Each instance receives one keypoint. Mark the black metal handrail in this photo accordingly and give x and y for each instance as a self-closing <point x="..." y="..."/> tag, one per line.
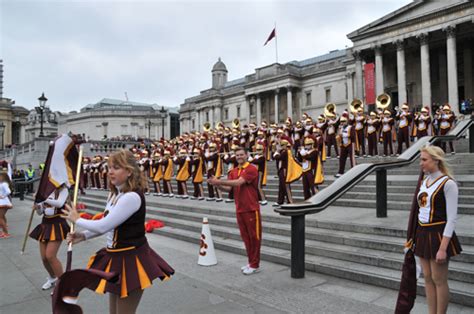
<point x="327" y="196"/>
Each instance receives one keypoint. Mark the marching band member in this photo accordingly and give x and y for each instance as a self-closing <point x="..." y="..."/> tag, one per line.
<point x="387" y="131"/>
<point x="183" y="173"/>
<point x="289" y="127"/>
<point x="197" y="173"/>
<point x="213" y="169"/>
<point x="51" y="232"/>
<point x="403" y="135"/>
<point x="244" y="137"/>
<point x="360" y="126"/>
<point x="333" y="125"/>
<point x="104" y="172"/>
<point x="373" y="124"/>
<point x="347" y="138"/>
<point x="308" y="127"/>
<point x="127" y="252"/>
<point x="97" y="173"/>
<point x="253" y="136"/>
<point x="92" y="169"/>
<point x="157" y="172"/>
<point x="308" y="157"/>
<point x="231" y="162"/>
<point x="298" y="135"/>
<point x="422" y="123"/>
<point x="446" y="123"/>
<point x="288" y="170"/>
<point x="260" y="162"/>
<point x="167" y="169"/>
<point x="321" y="148"/>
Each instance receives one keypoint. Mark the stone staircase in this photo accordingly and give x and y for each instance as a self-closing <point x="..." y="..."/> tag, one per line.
<point x="369" y="252"/>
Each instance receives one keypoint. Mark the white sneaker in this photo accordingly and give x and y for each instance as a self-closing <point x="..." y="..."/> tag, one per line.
<point x="228" y="200"/>
<point x="49" y="283"/>
<point x="249" y="271"/>
<point x="244" y="267"/>
<point x="263" y="202"/>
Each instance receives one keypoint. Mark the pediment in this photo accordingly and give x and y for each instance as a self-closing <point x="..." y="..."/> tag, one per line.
<point x="411" y="11"/>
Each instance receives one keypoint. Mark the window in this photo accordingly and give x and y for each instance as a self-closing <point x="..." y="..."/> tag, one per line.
<point x="207" y="116"/>
<point x="238" y="111"/>
<point x="226" y="114"/>
<point x="252" y="110"/>
<point x="193" y="124"/>
<point x="308" y="99"/>
<point x="328" y="95"/>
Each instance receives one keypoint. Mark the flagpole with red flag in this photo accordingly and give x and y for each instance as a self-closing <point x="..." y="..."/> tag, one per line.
<point x="270" y="37"/>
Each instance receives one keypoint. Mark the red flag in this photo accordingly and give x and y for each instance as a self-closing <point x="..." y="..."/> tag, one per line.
<point x="272" y="35"/>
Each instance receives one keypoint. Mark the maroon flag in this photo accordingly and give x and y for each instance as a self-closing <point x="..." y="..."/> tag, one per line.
<point x="60" y="167"/>
<point x="407" y="291"/>
<point x="271" y="36"/>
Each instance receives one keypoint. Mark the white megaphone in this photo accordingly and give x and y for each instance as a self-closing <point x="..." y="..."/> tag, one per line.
<point x="207" y="254"/>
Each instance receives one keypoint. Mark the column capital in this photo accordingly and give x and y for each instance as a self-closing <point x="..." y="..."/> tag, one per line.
<point x="349" y="74"/>
<point x="450" y="31"/>
<point x="357" y="55"/>
<point x="378" y="49"/>
<point x="289" y="88"/>
<point x="423" y="37"/>
<point x="277" y="90"/>
<point x="400" y="44"/>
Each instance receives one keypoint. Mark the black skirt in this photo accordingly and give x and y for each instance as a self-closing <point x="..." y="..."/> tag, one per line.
<point x="137" y="268"/>
<point x="428" y="241"/>
<point x="52" y="228"/>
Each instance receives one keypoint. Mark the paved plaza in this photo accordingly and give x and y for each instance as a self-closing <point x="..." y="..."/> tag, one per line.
<point x="193" y="289"/>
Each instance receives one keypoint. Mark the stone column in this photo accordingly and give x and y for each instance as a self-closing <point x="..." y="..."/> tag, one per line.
<point x="218" y="113"/>
<point x="198" y="125"/>
<point x="359" y="90"/>
<point x="211" y="116"/>
<point x="289" y="102"/>
<point x="401" y="73"/>
<point x="350" y="86"/>
<point x="247" y="101"/>
<point x="276" y="105"/>
<point x="453" y="98"/>
<point x="425" y="69"/>
<point x="468" y="79"/>
<point x="379" y="83"/>
<point x="259" y="109"/>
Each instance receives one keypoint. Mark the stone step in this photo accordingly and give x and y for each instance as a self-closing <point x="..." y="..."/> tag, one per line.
<point x="98" y="199"/>
<point x="466" y="209"/>
<point x="460" y="292"/>
<point x="183" y="218"/>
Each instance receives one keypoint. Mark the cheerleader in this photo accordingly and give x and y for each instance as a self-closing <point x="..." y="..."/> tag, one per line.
<point x="6" y="188"/>
<point x="435" y="239"/>
<point x="127" y="252"/>
<point x="51" y="232"/>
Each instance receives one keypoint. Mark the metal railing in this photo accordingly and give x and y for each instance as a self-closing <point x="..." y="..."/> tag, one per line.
<point x="327" y="196"/>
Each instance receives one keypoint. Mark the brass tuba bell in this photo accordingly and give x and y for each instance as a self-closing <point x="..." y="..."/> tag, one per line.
<point x="206" y="127"/>
<point x="236" y="123"/>
<point x="330" y="110"/>
<point x="355" y="105"/>
<point x="383" y="101"/>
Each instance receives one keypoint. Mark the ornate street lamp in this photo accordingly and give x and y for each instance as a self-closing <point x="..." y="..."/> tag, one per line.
<point x="2" y="129"/>
<point x="163" y="117"/>
<point x="40" y="109"/>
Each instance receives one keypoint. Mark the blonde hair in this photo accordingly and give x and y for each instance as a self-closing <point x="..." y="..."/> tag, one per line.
<point x="437" y="154"/>
<point x="137" y="181"/>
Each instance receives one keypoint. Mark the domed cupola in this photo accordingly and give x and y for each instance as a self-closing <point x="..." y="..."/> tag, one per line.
<point x="219" y="74"/>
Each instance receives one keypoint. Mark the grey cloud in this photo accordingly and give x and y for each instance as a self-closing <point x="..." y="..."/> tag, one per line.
<point x="159" y="51"/>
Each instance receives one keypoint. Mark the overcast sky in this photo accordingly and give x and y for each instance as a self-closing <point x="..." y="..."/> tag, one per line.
<point x="79" y="52"/>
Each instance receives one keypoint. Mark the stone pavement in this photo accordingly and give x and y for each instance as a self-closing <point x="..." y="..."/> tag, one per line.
<point x="193" y="289"/>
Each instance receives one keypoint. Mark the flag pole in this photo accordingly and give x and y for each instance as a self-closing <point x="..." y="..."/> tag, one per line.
<point x="74" y="203"/>
<point x="276" y="43"/>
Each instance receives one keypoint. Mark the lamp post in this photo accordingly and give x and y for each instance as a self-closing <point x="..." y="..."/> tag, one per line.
<point x="40" y="109"/>
<point x="163" y="117"/>
<point x="2" y="129"/>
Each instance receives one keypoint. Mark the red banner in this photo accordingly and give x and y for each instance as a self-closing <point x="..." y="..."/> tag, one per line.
<point x="369" y="83"/>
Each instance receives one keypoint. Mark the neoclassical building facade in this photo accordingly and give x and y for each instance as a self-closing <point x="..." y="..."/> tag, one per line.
<point x="421" y="54"/>
<point x="114" y="118"/>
